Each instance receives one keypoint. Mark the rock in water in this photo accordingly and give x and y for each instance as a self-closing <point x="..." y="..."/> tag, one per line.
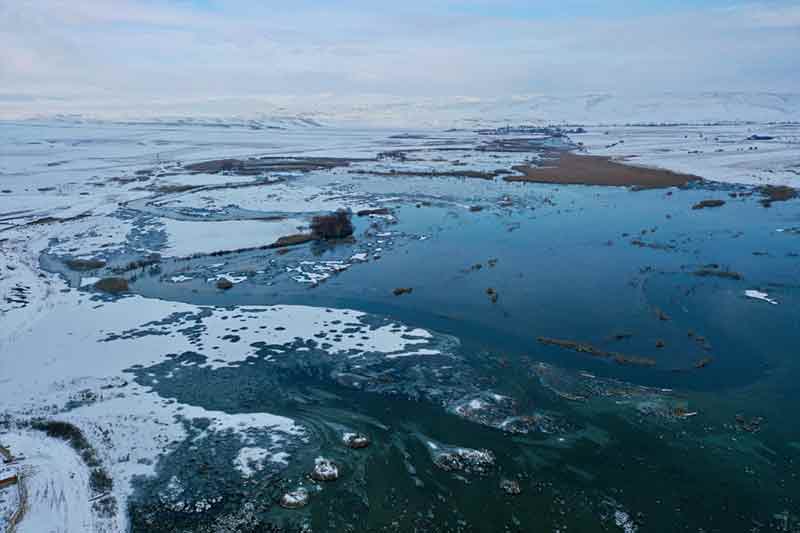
<point x="465" y="460"/>
<point x="324" y="470"/>
<point x="355" y="441"/>
<point x="295" y="499"/>
<point x="492" y="293"/>
<point x="224" y="284"/>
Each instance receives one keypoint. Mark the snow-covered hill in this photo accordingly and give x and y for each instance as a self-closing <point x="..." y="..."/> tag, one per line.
<point x="378" y="110"/>
<point x="578" y="109"/>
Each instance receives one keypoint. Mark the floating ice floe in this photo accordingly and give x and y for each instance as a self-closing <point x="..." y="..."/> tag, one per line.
<point x="316" y="272"/>
<point x="758" y="295"/>
<point x="295" y="499"/>
<point x="624" y="521"/>
<point x="233" y="279"/>
<point x="421" y="351"/>
<point x="251" y="459"/>
<point x="458" y="459"/>
<point x="175" y="498"/>
<point x="791" y="231"/>
<point x="501" y="412"/>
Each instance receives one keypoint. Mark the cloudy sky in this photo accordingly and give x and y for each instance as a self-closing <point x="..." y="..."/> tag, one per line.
<point x="238" y="56"/>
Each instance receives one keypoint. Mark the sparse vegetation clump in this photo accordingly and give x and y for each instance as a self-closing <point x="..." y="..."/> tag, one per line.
<point x="777" y="193"/>
<point x="580" y="347"/>
<point x="292" y="240"/>
<point x="138" y="264"/>
<point x="704" y="204"/>
<point x="713" y="270"/>
<point x="112" y="285"/>
<point x="83" y="265"/>
<point x="99" y="480"/>
<point x="337" y="225"/>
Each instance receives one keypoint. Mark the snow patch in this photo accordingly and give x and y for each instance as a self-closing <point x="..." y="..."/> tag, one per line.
<point x="758" y="295"/>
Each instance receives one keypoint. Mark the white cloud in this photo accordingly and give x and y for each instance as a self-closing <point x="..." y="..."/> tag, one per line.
<point x="128" y="56"/>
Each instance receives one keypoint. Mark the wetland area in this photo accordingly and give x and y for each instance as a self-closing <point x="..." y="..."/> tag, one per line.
<point x="306" y="328"/>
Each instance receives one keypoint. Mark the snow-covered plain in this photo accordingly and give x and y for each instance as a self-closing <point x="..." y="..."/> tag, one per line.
<point x="56" y="484"/>
<point x="757" y="154"/>
<point x="185" y="238"/>
<point x="289" y="197"/>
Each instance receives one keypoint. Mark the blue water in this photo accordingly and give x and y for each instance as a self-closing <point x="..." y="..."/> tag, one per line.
<point x="565" y="268"/>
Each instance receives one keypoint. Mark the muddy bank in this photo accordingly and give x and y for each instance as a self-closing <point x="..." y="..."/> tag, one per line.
<point x="478" y="174"/>
<point x="573" y="169"/>
<point x="255" y="166"/>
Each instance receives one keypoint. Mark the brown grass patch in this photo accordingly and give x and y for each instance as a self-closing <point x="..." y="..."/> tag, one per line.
<point x="567" y="168"/>
<point x="292" y="240"/>
<point x="777" y="193"/>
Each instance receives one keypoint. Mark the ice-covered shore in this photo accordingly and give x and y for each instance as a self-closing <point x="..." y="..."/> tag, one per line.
<point x="77" y="350"/>
<point x="64" y="353"/>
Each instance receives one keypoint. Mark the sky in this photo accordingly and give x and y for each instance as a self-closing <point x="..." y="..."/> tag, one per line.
<point x="206" y="57"/>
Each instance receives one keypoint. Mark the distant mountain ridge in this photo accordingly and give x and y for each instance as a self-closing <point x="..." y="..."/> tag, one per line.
<point x="473" y="112"/>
